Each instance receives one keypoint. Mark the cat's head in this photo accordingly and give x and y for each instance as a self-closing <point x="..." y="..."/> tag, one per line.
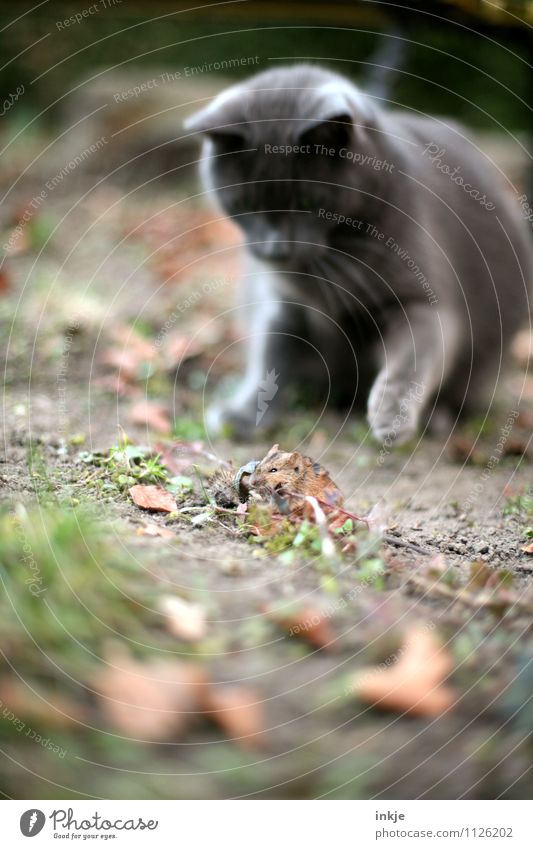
<point x="275" y="155"/>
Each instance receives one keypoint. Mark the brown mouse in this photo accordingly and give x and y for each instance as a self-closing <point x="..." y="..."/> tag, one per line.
<point x="287" y="477"/>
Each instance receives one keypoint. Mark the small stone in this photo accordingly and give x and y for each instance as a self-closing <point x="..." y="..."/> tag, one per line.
<point x="231" y="567"/>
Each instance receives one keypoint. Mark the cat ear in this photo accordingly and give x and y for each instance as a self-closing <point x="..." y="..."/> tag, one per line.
<point x="210" y="123"/>
<point x="333" y="132"/>
<point x="340" y="112"/>
<point x="214" y="122"/>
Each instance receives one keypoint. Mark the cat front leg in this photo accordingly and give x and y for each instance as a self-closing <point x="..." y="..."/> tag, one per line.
<point x="418" y="352"/>
<point x="248" y="406"/>
<point x="273" y="356"/>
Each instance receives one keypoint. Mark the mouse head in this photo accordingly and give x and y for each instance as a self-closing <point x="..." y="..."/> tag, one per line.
<point x="278" y="471"/>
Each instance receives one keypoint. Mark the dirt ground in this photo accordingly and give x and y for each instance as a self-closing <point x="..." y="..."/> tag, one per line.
<point x="64" y="393"/>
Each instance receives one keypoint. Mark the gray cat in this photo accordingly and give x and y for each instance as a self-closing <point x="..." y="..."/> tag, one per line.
<point x="387" y="262"/>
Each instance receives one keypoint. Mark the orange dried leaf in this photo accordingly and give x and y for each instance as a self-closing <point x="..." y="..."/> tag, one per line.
<point x="124" y="361"/>
<point x="527" y="548"/>
<point x="307" y="623"/>
<point x="5" y="281"/>
<point x="151" y="414"/>
<point x="150" y="701"/>
<point x="414" y="683"/>
<point x="462" y="449"/>
<point x="237" y="710"/>
<point x="184" y="619"/>
<point x="153" y="498"/>
<point x="133" y="343"/>
<point x="522" y="347"/>
<point x="42" y="706"/>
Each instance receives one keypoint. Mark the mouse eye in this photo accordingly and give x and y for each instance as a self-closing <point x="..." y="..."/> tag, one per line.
<point x="272" y="471"/>
<point x="296" y="469"/>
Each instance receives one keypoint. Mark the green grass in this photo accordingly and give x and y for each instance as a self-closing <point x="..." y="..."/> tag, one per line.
<point x="67" y="589"/>
<point x="520" y="505"/>
<point x="126" y="464"/>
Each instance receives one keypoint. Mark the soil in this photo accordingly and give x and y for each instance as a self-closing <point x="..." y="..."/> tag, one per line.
<point x="319" y="743"/>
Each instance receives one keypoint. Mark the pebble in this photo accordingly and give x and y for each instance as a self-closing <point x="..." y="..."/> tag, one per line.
<point x="232" y="567"/>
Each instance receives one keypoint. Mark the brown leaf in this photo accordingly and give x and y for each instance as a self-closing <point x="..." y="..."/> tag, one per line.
<point x="516" y="447"/>
<point x="237" y="710"/>
<point x="525" y="419"/>
<point x="414" y="682"/>
<point x="5" y="281"/>
<point x="527" y="548"/>
<point x="133" y="343"/>
<point x="126" y="363"/>
<point x="151" y="414"/>
<point x="153" y="498"/>
<point x="153" y="530"/>
<point x="307" y="623"/>
<point x="39" y="706"/>
<point x="462" y="449"/>
<point x="150" y="701"/>
<point x="523" y="348"/>
<point x="183" y="619"/>
<point x="116" y="384"/>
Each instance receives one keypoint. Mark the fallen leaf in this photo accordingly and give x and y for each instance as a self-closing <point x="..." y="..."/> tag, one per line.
<point x="461" y="449"/>
<point x="124" y="361"/>
<point x="151" y="414"/>
<point x="307" y="623"/>
<point x="133" y="343"/>
<point x="516" y="447"/>
<point x="39" y="706"/>
<point x="522" y="347"/>
<point x="153" y="530"/>
<point x="414" y="682"/>
<point x="153" y="498"/>
<point x="150" y="701"/>
<point x="525" y="419"/>
<point x="116" y="384"/>
<point x="183" y="618"/>
<point x="527" y="548"/>
<point x="5" y="281"/>
<point x="237" y="710"/>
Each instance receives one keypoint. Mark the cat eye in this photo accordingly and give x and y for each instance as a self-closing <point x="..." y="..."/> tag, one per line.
<point x="272" y="471"/>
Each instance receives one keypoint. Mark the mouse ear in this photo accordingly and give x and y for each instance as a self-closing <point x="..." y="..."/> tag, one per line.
<point x="273" y="450"/>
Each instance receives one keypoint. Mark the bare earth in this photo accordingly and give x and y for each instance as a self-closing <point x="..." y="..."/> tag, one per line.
<point x="318" y="740"/>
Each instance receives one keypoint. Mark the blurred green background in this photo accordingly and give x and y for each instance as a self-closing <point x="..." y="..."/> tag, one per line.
<point x="468" y="59"/>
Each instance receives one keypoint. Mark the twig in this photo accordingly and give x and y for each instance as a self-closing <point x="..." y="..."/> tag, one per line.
<point x="391" y="540"/>
<point x="331" y="507"/>
<point x="402" y="543"/>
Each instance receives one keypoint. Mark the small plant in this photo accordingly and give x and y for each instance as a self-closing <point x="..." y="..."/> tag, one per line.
<point x="519" y="505"/>
<point x="126" y="464"/>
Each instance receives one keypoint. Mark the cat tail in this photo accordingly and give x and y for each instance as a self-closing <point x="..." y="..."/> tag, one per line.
<point x="386" y="62"/>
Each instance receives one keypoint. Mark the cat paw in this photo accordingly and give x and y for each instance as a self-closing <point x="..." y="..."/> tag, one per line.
<point x="393" y="417"/>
